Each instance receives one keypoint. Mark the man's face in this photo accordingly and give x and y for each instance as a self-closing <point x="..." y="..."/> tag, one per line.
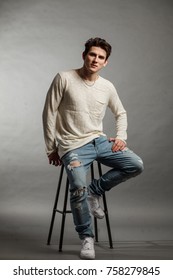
<point x="95" y="59"/>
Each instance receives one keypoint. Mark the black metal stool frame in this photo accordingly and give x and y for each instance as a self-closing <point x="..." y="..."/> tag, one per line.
<point x="65" y="211"/>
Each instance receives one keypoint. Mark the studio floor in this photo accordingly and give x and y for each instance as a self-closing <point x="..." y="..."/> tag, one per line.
<point x="160" y="250"/>
<point x="24" y="237"/>
<point x="14" y="247"/>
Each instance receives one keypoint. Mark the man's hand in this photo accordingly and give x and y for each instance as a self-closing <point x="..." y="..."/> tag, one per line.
<point x="118" y="145"/>
<point x="54" y="159"/>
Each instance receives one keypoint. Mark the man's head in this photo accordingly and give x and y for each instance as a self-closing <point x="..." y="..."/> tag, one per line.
<point x="97" y="42"/>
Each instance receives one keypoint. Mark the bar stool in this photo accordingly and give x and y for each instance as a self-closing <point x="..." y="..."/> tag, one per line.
<point x="64" y="211"/>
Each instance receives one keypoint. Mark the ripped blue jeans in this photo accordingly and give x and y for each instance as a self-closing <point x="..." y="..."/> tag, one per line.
<point x="124" y="165"/>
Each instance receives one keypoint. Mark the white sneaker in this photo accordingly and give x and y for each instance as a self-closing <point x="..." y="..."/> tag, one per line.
<point x="95" y="208"/>
<point x="87" y="250"/>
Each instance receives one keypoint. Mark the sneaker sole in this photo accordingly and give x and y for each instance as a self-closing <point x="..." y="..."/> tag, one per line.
<point x="84" y="257"/>
<point x="97" y="216"/>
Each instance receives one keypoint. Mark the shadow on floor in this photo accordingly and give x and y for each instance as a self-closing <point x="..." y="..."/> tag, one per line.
<point x="26" y="239"/>
<point x="17" y="246"/>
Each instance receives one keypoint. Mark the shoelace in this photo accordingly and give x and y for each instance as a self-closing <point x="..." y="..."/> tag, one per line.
<point x="87" y="245"/>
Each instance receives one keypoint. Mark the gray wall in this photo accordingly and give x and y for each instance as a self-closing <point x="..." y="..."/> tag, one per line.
<point x="38" y="39"/>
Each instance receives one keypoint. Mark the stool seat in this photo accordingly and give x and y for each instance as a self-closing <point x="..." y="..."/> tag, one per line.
<point x="65" y="211"/>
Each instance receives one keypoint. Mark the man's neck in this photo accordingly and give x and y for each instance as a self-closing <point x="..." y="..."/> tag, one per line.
<point x="86" y="75"/>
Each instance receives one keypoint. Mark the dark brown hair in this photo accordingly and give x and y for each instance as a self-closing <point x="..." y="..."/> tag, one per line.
<point x="97" y="42"/>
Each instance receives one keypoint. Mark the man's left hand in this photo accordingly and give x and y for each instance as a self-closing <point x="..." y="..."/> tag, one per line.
<point x="118" y="144"/>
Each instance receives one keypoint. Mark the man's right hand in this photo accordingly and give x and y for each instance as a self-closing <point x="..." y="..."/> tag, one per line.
<point x="54" y="159"/>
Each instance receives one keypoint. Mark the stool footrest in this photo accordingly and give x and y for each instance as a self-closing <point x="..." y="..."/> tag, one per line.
<point x="62" y="212"/>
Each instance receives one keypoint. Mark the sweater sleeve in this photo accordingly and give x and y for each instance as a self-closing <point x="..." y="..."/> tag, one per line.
<point x="120" y="114"/>
<point x="49" y="115"/>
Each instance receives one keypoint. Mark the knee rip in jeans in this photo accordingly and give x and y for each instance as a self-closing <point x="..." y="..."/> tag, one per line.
<point x="80" y="191"/>
<point x="73" y="164"/>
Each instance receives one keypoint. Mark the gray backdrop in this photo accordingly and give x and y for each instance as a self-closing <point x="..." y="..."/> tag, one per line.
<point x="39" y="38"/>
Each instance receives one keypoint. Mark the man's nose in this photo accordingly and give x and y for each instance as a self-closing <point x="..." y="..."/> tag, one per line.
<point x="96" y="59"/>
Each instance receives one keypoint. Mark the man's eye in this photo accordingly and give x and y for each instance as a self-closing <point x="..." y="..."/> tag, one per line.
<point x="101" y="57"/>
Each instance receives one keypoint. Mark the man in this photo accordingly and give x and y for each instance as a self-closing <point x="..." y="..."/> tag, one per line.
<point x="72" y="120"/>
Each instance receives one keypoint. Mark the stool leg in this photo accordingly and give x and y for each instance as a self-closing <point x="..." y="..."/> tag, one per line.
<point x="55" y="206"/>
<point x="96" y="229"/>
<point x="95" y="219"/>
<point x="107" y="221"/>
<point x="64" y="215"/>
<point x="106" y="211"/>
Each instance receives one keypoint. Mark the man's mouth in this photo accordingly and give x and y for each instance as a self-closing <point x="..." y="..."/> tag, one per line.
<point x="93" y="65"/>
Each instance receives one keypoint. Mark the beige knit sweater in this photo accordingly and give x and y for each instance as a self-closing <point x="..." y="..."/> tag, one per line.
<point x="74" y="111"/>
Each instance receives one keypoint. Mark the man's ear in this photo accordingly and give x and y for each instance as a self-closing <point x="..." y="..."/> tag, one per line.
<point x="106" y="62"/>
